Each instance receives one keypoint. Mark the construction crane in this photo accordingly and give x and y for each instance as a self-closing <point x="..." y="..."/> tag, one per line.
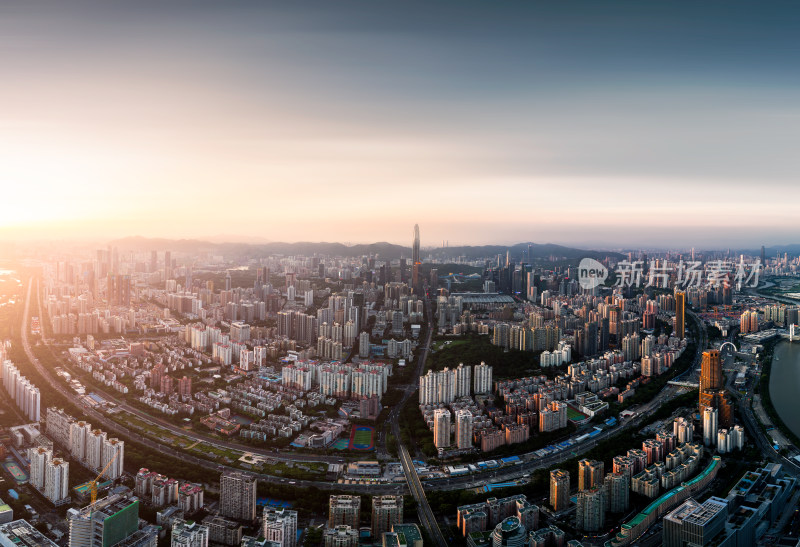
<point x="93" y="484"/>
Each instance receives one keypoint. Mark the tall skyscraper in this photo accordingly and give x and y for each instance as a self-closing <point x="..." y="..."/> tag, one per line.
<point x="763" y="256"/>
<point x="167" y="265"/>
<point x="680" y="314"/>
<point x="712" y="392"/>
<point x="559" y="489"/>
<point x="415" y="262"/>
<point x="711" y="371"/>
<point x="238" y="495"/>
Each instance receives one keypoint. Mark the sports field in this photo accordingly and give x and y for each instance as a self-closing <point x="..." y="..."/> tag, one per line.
<point x="341" y="444"/>
<point x="362" y="437"/>
<point x="15" y="470"/>
<point x="573" y="414"/>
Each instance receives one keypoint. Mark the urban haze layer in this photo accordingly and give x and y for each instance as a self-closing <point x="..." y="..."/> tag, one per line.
<point x="188" y="393"/>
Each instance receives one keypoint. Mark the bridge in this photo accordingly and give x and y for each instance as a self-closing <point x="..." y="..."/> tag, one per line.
<point x="683" y="384"/>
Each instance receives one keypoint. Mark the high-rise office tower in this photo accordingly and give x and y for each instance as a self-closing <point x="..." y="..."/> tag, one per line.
<point x="711" y="371"/>
<point x="590" y="474"/>
<point x="344" y="510"/>
<point x="415" y="262"/>
<point x="763" y="256"/>
<point x="237" y="495"/>
<point x="712" y="392"/>
<point x="441" y="428"/>
<point x="167" y="265"/>
<point x="559" y="489"/>
<point x="386" y="511"/>
<point x="463" y="429"/>
<point x="680" y="314"/>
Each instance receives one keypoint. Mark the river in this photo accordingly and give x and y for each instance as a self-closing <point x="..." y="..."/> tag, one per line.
<point x="784" y="384"/>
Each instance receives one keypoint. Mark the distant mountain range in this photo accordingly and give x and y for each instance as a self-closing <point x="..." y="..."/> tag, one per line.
<point x="793" y="250"/>
<point x="382" y="249"/>
<point x="518" y="251"/>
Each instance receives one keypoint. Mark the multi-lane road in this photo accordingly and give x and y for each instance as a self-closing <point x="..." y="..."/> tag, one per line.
<point x="426" y="516"/>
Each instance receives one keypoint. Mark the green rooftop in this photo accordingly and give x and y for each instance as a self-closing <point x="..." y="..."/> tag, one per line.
<point x="637" y="520"/>
<point x="411" y="532"/>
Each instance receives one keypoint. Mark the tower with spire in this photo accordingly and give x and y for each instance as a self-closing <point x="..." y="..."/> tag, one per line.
<point x="415" y="262"/>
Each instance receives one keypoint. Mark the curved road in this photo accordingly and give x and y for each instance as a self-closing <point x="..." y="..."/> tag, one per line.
<point x="110" y="425"/>
<point x="454" y="483"/>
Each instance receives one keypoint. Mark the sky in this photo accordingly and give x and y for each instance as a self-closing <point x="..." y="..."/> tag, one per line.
<point x="600" y="123"/>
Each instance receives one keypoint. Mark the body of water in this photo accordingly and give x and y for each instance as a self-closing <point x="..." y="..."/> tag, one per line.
<point x="784" y="384"/>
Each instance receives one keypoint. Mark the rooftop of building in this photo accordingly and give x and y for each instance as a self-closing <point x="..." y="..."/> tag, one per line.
<point x="638" y="519"/>
<point x="480" y="539"/>
<point x="411" y="532"/>
<point x="22" y="533"/>
<point x="483" y="298"/>
<point x="740" y="516"/>
<point x="108" y="506"/>
<point x="707" y="511"/>
<point x="683" y="510"/>
<point x="509" y="524"/>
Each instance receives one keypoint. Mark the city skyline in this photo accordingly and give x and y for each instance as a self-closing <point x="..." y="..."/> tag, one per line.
<point x="399" y="274"/>
<point x="621" y="124"/>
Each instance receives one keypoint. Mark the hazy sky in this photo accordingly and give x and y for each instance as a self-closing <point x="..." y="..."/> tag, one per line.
<point x="595" y="123"/>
